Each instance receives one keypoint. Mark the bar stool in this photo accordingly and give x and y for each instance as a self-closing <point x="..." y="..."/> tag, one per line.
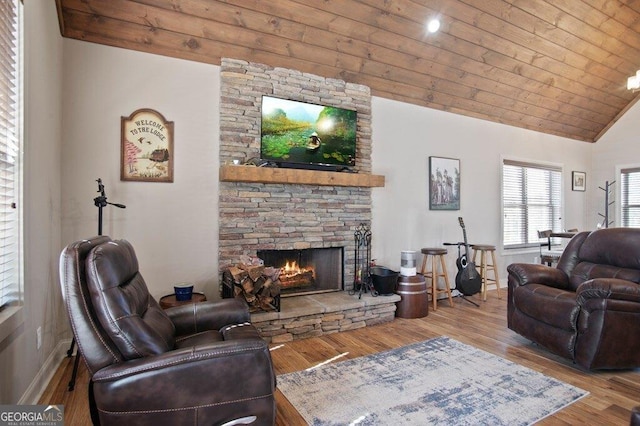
<point x="484" y="267"/>
<point x="436" y="253"/>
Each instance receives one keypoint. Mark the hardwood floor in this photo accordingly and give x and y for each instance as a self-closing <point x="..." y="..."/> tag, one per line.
<point x="612" y="394"/>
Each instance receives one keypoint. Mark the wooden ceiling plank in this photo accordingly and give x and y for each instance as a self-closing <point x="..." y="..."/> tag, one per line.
<point x="416" y="79"/>
<point x="528" y="57"/>
<point x="272" y="7"/>
<point x="539" y="67"/>
<point x="479" y="95"/>
<point x="154" y="39"/>
<point x="551" y="13"/>
<point x="632" y="4"/>
<point x="442" y="73"/>
<point x="466" y="68"/>
<point x="470" y="19"/>
<point x="396" y="97"/>
<point x="619" y="11"/>
<point x="158" y="37"/>
<point x="541" y="73"/>
<point x="473" y="70"/>
<point x="583" y="55"/>
<point x="434" y="100"/>
<point x="585" y="13"/>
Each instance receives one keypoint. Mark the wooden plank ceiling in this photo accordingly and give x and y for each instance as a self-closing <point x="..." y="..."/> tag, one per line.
<point x="556" y="66"/>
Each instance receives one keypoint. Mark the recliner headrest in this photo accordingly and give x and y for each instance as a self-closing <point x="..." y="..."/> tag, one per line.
<point x="613" y="246"/>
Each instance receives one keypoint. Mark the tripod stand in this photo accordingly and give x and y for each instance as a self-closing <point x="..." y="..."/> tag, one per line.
<point x="100" y="202"/>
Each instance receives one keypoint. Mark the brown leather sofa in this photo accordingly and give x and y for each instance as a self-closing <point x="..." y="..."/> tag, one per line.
<point x="195" y="364"/>
<point x="587" y="308"/>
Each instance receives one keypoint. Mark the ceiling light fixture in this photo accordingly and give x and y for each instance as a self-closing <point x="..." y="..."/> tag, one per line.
<point x="433" y="25"/>
<point x="633" y="82"/>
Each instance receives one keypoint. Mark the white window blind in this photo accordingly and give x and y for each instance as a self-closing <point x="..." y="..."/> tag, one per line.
<point x="10" y="161"/>
<point x="532" y="202"/>
<point x="630" y="194"/>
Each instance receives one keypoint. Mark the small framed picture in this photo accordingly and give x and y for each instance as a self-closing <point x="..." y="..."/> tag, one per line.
<point x="578" y="181"/>
<point x="444" y="183"/>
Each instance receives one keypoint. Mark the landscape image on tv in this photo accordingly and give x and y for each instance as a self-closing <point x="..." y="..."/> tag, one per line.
<point x="299" y="132"/>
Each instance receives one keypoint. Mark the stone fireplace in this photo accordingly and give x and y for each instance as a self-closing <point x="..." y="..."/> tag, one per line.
<point x="307" y="271"/>
<point x="259" y="216"/>
<point x="300" y="210"/>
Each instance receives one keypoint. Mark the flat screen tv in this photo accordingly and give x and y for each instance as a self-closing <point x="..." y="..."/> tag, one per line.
<point x="301" y="134"/>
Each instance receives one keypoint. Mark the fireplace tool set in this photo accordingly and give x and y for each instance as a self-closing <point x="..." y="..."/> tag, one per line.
<point x="362" y="271"/>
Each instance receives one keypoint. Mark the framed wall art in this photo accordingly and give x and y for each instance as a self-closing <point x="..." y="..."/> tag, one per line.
<point x="146" y="147"/>
<point x="578" y="181"/>
<point x="444" y="183"/>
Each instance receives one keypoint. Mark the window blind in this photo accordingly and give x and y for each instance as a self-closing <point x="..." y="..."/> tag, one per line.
<point x="532" y="201"/>
<point x="10" y="125"/>
<point x="630" y="193"/>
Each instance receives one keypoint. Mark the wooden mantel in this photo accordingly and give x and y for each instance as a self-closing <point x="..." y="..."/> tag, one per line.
<point x="233" y="173"/>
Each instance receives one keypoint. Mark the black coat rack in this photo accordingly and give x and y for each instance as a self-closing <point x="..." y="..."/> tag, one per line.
<point x="607" y="190"/>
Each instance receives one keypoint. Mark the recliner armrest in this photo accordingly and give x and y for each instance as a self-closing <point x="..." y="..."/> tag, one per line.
<point x="608" y="288"/>
<point x="203" y="316"/>
<point x="221" y="351"/>
<point x="225" y="372"/>
<point x="533" y="273"/>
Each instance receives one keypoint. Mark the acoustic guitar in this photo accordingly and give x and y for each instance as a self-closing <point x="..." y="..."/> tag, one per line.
<point x="468" y="280"/>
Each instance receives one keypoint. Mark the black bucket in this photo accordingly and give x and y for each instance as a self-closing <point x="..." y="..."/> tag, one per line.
<point x="384" y="280"/>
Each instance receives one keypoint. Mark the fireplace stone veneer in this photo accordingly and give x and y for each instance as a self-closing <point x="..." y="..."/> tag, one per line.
<point x="266" y="216"/>
<point x="284" y="216"/>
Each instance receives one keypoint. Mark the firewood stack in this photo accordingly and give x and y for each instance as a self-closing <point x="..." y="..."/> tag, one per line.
<point x="257" y="284"/>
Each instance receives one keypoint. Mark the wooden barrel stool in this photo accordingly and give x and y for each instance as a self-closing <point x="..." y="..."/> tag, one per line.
<point x="484" y="267"/>
<point x="437" y="257"/>
<point x="414" y="300"/>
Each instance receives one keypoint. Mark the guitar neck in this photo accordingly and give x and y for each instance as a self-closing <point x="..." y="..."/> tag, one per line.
<point x="464" y="233"/>
<point x="466" y="244"/>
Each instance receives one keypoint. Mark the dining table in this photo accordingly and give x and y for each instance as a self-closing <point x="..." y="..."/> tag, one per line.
<point x="563" y="234"/>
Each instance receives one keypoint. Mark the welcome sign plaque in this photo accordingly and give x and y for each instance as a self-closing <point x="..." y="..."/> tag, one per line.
<point x="146" y="147"/>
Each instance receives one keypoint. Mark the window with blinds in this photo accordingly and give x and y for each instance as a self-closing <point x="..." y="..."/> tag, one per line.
<point x="10" y="151"/>
<point x="531" y="200"/>
<point x="630" y="194"/>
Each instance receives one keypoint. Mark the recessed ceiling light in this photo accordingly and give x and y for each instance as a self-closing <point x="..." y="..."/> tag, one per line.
<point x="433" y="25"/>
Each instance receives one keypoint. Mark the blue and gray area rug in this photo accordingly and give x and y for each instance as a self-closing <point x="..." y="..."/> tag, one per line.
<point x="435" y="382"/>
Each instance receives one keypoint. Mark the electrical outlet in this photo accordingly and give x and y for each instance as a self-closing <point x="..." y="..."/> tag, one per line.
<point x="39" y="338"/>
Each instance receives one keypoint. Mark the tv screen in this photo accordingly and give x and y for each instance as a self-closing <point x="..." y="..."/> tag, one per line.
<point x="302" y="133"/>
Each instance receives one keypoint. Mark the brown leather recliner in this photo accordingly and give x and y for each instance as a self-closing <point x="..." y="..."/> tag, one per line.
<point x="195" y="364"/>
<point x="635" y="416"/>
<point x="587" y="308"/>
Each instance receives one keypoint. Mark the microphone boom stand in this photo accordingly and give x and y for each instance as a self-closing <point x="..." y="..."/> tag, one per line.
<point x="100" y="202"/>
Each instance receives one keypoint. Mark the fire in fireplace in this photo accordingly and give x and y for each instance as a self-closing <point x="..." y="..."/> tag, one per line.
<point x="307" y="271"/>
<point x="292" y="275"/>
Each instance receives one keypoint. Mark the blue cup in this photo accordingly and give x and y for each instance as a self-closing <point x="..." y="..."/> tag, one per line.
<point x="184" y="291"/>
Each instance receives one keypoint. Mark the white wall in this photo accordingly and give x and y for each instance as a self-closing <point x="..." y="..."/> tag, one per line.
<point x="618" y="147"/>
<point x="405" y="136"/>
<point x="172" y="226"/>
<point x="24" y="367"/>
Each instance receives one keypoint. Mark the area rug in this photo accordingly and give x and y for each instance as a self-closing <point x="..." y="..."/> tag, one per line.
<point x="437" y="381"/>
